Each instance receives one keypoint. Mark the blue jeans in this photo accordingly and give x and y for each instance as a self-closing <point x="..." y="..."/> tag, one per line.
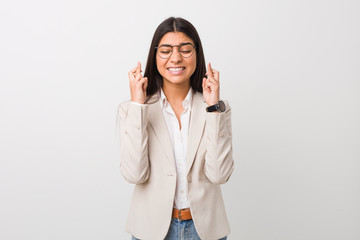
<point x="184" y="230"/>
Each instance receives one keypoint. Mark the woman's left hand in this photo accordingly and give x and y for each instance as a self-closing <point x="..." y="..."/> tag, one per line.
<point x="211" y="87"/>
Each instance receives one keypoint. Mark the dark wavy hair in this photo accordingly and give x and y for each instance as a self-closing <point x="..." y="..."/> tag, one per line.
<point x="155" y="80"/>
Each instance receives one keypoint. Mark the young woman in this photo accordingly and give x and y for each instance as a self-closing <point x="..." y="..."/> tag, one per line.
<point x="176" y="141"/>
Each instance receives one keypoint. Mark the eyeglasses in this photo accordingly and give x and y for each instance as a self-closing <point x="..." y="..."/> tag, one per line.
<point x="185" y="49"/>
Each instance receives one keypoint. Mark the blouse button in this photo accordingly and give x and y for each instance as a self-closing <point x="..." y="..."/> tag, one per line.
<point x="189" y="179"/>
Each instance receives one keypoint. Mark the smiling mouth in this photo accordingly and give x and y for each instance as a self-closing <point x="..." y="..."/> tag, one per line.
<point x="176" y="69"/>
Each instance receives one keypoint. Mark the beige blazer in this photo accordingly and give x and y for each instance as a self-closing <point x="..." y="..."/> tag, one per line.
<point x="147" y="160"/>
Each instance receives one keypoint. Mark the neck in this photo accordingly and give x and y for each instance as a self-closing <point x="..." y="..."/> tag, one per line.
<point x="175" y="92"/>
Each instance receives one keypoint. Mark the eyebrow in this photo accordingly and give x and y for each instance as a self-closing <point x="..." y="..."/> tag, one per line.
<point x="181" y="44"/>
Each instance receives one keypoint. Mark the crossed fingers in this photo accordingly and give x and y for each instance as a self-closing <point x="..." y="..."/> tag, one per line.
<point x="212" y="77"/>
<point x="212" y="74"/>
<point x="135" y="73"/>
<point x="138" y="84"/>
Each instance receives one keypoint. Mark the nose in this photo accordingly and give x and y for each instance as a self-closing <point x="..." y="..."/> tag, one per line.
<point x="175" y="56"/>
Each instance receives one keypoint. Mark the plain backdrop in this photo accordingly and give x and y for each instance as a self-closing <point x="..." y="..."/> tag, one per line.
<point x="290" y="70"/>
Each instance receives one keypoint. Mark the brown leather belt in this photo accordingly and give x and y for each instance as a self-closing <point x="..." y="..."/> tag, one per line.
<point x="182" y="214"/>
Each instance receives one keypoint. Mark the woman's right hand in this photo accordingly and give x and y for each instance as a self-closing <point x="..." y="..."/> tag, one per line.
<point x="138" y="85"/>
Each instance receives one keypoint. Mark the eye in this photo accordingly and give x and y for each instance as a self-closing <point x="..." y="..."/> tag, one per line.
<point x="164" y="51"/>
<point x="186" y="48"/>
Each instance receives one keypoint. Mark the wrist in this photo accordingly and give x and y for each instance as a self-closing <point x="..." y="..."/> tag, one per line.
<point x="139" y="101"/>
<point x="217" y="107"/>
<point x="212" y="102"/>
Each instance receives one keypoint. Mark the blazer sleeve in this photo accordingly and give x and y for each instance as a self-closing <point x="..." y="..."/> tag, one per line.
<point x="219" y="163"/>
<point x="134" y="160"/>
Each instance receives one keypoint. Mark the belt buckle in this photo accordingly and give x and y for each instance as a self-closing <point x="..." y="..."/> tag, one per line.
<point x="180" y="215"/>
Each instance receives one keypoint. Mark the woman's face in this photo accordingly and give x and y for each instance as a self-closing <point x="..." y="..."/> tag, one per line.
<point x="176" y="69"/>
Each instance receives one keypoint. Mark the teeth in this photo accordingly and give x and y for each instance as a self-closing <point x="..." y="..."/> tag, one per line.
<point x="176" y="69"/>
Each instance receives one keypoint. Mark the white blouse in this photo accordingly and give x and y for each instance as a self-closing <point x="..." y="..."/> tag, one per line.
<point x="179" y="144"/>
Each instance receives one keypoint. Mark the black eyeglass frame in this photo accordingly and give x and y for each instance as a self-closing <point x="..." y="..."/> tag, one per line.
<point x="178" y="46"/>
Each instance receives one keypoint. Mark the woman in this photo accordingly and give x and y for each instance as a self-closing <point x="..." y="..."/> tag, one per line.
<point x="176" y="141"/>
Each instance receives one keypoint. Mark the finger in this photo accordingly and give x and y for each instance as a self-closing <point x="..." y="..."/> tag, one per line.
<point x="134" y="70"/>
<point x="131" y="74"/>
<point x="212" y="81"/>
<point x="141" y="81"/>
<point x="138" y="75"/>
<point x="138" y="68"/>
<point x="210" y="72"/>
<point x="210" y="69"/>
<point x="205" y="86"/>
<point x="145" y="84"/>
<point x="216" y="75"/>
<point x="209" y="84"/>
<point x="210" y="76"/>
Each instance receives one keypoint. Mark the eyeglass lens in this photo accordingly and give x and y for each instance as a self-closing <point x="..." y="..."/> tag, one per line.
<point x="185" y="50"/>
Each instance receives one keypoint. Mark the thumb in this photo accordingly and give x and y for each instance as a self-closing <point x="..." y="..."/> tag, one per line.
<point x="145" y="84"/>
<point x="204" y="83"/>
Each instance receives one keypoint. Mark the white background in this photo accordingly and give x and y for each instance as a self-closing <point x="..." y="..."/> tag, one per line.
<point x="290" y="70"/>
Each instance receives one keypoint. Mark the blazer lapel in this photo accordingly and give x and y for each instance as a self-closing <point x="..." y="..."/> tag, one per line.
<point x="196" y="128"/>
<point x="157" y="121"/>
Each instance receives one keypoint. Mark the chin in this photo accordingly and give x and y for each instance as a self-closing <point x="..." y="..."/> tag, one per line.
<point x="177" y="80"/>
